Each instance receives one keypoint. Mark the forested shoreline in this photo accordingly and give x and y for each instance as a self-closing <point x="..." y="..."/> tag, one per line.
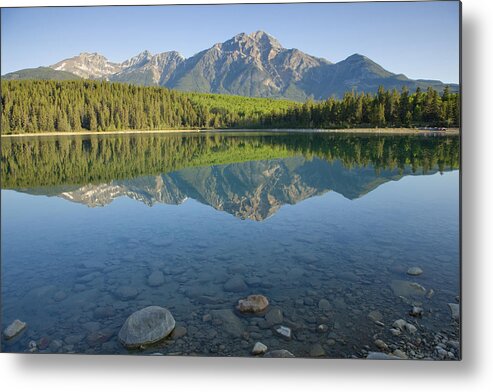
<point x="32" y="106"/>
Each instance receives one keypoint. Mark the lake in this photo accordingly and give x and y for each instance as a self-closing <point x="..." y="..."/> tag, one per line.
<point x="326" y="226"/>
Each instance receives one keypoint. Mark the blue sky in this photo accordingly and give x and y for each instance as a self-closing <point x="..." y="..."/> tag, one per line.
<point x="420" y="40"/>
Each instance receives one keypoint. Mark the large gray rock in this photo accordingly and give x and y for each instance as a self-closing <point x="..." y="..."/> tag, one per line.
<point x="146" y="326"/>
<point x="414" y="271"/>
<point x="14" y="329"/>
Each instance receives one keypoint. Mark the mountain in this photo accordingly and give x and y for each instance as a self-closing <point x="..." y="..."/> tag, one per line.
<point x="88" y="66"/>
<point x="40" y="73"/>
<point x="252" y="190"/>
<point x="253" y="64"/>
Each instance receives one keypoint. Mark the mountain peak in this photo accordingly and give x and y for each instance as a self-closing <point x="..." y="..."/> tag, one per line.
<point x="263" y="37"/>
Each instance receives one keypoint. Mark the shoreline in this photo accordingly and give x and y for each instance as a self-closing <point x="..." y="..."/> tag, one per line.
<point x="376" y="131"/>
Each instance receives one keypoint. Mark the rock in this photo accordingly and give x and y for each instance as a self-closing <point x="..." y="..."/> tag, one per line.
<point x="322" y="328"/>
<point x="375" y="316"/>
<point x="381" y="344"/>
<point x="379" y="355"/>
<point x="416" y="311"/>
<point x="104" y="312"/>
<point x="400" y="354"/>
<point x="32" y="346"/>
<point x="414" y="271"/>
<point x="146" y="326"/>
<point x="43" y="343"/>
<point x="259" y="348"/>
<point x="74" y="339"/>
<point x="317" y="350"/>
<point x="410" y="328"/>
<point x="14" y="329"/>
<point x="454" y="310"/>
<point x="395" y="331"/>
<point x="126" y="293"/>
<point x="284" y="331"/>
<point x="235" y="284"/>
<point x="55" y="345"/>
<point x="60" y="296"/>
<point x="400" y="324"/>
<point x="324" y="305"/>
<point x="430" y="293"/>
<point x="178" y="332"/>
<point x="404" y="288"/>
<point x="228" y="321"/>
<point x="279" y="354"/>
<point x="253" y="304"/>
<point x="156" y="278"/>
<point x="273" y="317"/>
<point x="97" y="338"/>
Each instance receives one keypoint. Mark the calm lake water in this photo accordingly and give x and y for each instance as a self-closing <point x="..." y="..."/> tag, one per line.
<point x="325" y="226"/>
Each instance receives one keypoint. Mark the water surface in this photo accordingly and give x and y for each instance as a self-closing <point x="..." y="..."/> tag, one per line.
<point x="298" y="218"/>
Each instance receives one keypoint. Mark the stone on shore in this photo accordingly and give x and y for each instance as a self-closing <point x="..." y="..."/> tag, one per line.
<point x="253" y="304"/>
<point x="146" y="326"/>
<point x="284" y="331"/>
<point x="259" y="348"/>
<point x="14" y="329"/>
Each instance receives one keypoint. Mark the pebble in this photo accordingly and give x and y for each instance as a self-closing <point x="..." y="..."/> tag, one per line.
<point x="317" y="350"/>
<point x="399" y="353"/>
<point x="379" y="355"/>
<point x="284" y="331"/>
<point x="414" y="271"/>
<point x="400" y="324"/>
<point x="324" y="305"/>
<point x="375" y="316"/>
<point x="322" y="328"/>
<point x="454" y="310"/>
<point x="14" y="329"/>
<point x="395" y="331"/>
<point x="410" y="328"/>
<point x="381" y="344"/>
<point x="259" y="348"/>
<point x="416" y="311"/>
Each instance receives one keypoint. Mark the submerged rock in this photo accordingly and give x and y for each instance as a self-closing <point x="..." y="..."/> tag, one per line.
<point x="146" y="326"/>
<point x="416" y="311"/>
<point x="407" y="289"/>
<point x="235" y="284"/>
<point x="126" y="292"/>
<point x="454" y="310"/>
<point x="378" y="355"/>
<point x="414" y="271"/>
<point x="253" y="304"/>
<point x="156" y="278"/>
<point x="279" y="354"/>
<point x="375" y="316"/>
<point x="259" y="348"/>
<point x="228" y="321"/>
<point x="14" y="329"/>
<point x="274" y="317"/>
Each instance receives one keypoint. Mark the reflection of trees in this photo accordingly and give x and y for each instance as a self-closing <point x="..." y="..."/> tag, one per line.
<point x="31" y="162"/>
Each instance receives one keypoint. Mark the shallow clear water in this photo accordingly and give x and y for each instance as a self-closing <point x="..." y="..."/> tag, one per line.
<point x="298" y="223"/>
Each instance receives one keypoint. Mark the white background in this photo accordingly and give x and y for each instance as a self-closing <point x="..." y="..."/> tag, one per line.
<point x="473" y="373"/>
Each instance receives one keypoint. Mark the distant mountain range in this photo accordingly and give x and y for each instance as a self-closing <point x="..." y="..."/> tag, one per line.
<point x="252" y="190"/>
<point x="254" y="65"/>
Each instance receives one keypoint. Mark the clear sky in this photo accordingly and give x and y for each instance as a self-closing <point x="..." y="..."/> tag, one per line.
<point x="419" y="39"/>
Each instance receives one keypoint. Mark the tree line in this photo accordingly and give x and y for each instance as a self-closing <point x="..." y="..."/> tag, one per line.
<point x="30" y="106"/>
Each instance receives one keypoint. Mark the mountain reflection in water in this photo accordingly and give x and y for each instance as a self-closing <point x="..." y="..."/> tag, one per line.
<point x="249" y="176"/>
